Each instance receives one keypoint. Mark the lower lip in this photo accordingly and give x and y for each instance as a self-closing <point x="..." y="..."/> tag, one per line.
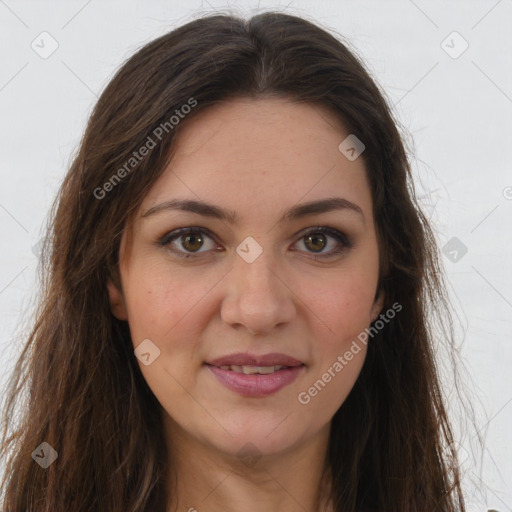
<point x="256" y="385"/>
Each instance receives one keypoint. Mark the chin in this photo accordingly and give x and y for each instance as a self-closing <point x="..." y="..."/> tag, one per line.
<point x="257" y="441"/>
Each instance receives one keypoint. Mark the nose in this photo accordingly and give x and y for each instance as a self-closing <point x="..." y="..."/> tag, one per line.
<point x="258" y="297"/>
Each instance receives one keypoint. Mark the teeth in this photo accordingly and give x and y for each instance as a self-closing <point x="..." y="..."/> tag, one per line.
<point x="252" y="370"/>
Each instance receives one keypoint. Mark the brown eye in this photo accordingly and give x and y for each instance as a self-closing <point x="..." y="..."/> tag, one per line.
<point x="315" y="242"/>
<point x="192" y="242"/>
<point x="318" y="239"/>
<point x="188" y="242"/>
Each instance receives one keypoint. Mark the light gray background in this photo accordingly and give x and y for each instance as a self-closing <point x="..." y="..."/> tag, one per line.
<point x="457" y="110"/>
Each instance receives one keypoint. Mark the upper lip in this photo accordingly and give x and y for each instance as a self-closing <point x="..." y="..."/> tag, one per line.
<point x="241" y="359"/>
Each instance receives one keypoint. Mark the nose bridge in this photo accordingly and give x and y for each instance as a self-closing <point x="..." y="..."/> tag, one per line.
<point x="256" y="272"/>
<point x="258" y="298"/>
<point x="260" y="275"/>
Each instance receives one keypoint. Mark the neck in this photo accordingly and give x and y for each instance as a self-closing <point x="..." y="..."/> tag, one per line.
<point x="204" y="478"/>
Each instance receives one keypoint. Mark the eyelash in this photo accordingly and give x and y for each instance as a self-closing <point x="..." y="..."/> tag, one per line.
<point x="341" y="238"/>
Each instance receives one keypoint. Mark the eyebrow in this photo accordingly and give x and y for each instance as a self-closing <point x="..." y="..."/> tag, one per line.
<point x="294" y="213"/>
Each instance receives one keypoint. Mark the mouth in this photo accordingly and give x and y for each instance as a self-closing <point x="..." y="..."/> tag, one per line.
<point x="260" y="361"/>
<point x="254" y="370"/>
<point x="256" y="376"/>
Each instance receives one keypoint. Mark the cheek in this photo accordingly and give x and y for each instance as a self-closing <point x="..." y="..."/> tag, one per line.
<point x="167" y="307"/>
<point x="342" y="352"/>
<point x="342" y="304"/>
<point x="161" y="302"/>
<point x="342" y="310"/>
<point x="342" y="313"/>
<point x="331" y="383"/>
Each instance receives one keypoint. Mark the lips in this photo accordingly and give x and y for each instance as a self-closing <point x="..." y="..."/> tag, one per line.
<point x="256" y="376"/>
<point x="265" y="360"/>
<point x="254" y="370"/>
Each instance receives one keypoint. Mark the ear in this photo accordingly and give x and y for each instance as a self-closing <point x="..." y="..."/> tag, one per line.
<point x="377" y="306"/>
<point x="117" y="304"/>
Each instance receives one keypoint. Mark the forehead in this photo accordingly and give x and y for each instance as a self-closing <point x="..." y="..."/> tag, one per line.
<point x="242" y="125"/>
<point x="256" y="155"/>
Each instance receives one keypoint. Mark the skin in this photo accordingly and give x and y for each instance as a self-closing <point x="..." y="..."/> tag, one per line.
<point x="258" y="158"/>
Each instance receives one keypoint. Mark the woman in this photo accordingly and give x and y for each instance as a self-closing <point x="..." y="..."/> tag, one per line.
<point x="238" y="293"/>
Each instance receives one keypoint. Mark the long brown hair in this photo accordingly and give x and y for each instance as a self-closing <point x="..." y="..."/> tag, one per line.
<point x="391" y="446"/>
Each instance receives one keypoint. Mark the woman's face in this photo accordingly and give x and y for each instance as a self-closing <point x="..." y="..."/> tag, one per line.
<point x="252" y="287"/>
